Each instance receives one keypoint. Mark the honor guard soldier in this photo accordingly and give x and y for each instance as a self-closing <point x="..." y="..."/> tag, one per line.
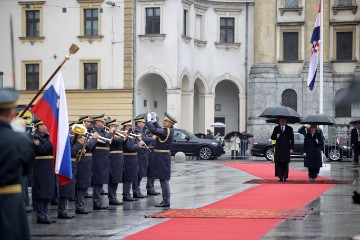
<point x="131" y="163"/>
<point x="84" y="165"/>
<point x="44" y="179"/>
<point x="116" y="162"/>
<point x="161" y="164"/>
<point x="101" y="163"/>
<point x="142" y="153"/>
<point x="16" y="159"/>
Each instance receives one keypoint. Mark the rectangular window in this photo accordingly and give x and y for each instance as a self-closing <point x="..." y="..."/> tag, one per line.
<point x="32" y="77"/>
<point x="90" y="75"/>
<point x="344" y="3"/>
<point x="291" y="46"/>
<point x="152" y="21"/>
<point x="291" y="3"/>
<point x="91" y="22"/>
<point x="198" y="27"/>
<point x="185" y="22"/>
<point x="344" y="45"/>
<point x="227" y="27"/>
<point x="33" y="23"/>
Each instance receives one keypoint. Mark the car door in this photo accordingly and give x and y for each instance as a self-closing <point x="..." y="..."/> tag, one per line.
<point x="182" y="143"/>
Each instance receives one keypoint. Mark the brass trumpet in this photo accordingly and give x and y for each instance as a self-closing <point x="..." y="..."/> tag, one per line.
<point x="81" y="129"/>
<point x="117" y="133"/>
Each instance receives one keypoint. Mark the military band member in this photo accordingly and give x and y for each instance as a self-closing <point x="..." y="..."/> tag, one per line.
<point x="101" y="163"/>
<point x="161" y="157"/>
<point x="44" y="179"/>
<point x="116" y="162"/>
<point x="84" y="167"/>
<point x="131" y="163"/>
<point x="16" y="159"/>
<point x="142" y="154"/>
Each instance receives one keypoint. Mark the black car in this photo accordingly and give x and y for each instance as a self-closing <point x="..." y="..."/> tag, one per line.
<point x="191" y="145"/>
<point x="333" y="151"/>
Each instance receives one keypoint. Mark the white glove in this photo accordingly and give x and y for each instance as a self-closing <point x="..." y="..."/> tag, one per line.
<point x="148" y="117"/>
<point x="18" y="125"/>
<point x="153" y="115"/>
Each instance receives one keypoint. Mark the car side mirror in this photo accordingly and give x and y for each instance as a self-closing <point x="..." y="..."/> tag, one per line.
<point x="187" y="138"/>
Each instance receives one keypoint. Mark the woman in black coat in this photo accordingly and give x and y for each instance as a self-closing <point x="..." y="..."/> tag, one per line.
<point x="313" y="144"/>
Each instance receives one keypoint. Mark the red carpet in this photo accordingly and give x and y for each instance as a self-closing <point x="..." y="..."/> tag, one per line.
<point x="263" y="197"/>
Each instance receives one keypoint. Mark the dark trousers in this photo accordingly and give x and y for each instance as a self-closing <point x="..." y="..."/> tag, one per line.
<point x="80" y="198"/>
<point x="62" y="205"/>
<point x="97" y="194"/>
<point x="150" y="185"/>
<point x="127" y="188"/>
<point x="136" y="187"/>
<point x="165" y="189"/>
<point x="234" y="154"/>
<point x="42" y="208"/>
<point x="313" y="172"/>
<point x="282" y="169"/>
<point x="112" y="188"/>
<point x="356" y="155"/>
<point x="25" y="191"/>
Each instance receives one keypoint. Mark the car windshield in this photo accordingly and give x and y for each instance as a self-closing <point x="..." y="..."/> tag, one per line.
<point x="189" y="134"/>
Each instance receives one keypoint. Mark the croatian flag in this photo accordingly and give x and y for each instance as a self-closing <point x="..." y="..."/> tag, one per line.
<point x="315" y="41"/>
<point x="52" y="110"/>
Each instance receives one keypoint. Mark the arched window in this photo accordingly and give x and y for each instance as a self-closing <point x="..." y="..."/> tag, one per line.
<point x="289" y="99"/>
<point x="343" y="111"/>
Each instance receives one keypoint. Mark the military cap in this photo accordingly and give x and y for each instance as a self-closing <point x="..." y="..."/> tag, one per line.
<point x="8" y="98"/>
<point x="99" y="118"/>
<point x="127" y="123"/>
<point x="84" y="118"/>
<point x="38" y="122"/>
<point x="169" y="118"/>
<point x="71" y="123"/>
<point x="112" y="122"/>
<point x="140" y="118"/>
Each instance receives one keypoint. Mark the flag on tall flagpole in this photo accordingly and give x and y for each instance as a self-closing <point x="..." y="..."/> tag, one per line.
<point x="52" y="110"/>
<point x="315" y="41"/>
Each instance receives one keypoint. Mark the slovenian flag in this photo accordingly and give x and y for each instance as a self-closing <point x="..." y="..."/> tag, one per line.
<point x="315" y="41"/>
<point x="52" y="110"/>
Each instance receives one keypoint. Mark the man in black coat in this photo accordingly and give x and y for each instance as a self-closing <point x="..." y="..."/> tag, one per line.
<point x="355" y="142"/>
<point x="16" y="159"/>
<point x="284" y="136"/>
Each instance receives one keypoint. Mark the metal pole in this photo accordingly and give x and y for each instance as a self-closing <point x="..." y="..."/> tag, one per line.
<point x="321" y="90"/>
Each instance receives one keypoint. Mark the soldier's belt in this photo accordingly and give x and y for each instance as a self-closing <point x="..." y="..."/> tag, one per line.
<point x="43" y="157"/>
<point x="130" y="154"/>
<point x="116" y="151"/>
<point x="102" y="148"/>
<point x="87" y="155"/>
<point x="10" y="189"/>
<point x="160" y="150"/>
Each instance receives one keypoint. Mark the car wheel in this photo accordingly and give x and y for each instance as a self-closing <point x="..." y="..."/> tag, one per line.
<point x="269" y="154"/>
<point x="334" y="154"/>
<point x="205" y="153"/>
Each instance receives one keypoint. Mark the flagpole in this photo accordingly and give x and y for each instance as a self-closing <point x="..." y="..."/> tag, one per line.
<point x="321" y="90"/>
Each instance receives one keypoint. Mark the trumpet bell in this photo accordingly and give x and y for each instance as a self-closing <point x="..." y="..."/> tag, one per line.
<point x="79" y="129"/>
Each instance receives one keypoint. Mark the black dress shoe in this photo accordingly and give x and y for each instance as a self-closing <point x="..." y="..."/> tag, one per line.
<point x="82" y="211"/>
<point x="45" y="221"/>
<point x="285" y="180"/>
<point x="115" y="202"/>
<point x="65" y="216"/>
<point x="88" y="196"/>
<point x="139" y="196"/>
<point x="54" y="201"/>
<point x="162" y="204"/>
<point x="154" y="193"/>
<point x="280" y="180"/>
<point x="102" y="192"/>
<point x="129" y="199"/>
<point x="100" y="208"/>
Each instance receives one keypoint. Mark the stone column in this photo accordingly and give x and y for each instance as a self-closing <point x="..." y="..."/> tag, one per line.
<point x="128" y="43"/>
<point x="206" y="113"/>
<point x="174" y="105"/>
<point x="265" y="31"/>
<point x="187" y="110"/>
<point x="242" y="112"/>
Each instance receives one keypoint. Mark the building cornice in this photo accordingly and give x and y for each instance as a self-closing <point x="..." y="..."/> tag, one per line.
<point x="290" y="23"/>
<point x="333" y="23"/>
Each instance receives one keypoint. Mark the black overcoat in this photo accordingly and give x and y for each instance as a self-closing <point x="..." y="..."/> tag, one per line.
<point x="16" y="159"/>
<point x="354" y="139"/>
<point x="131" y="163"/>
<point x="160" y="167"/>
<point x="312" y="149"/>
<point x="144" y="153"/>
<point x="84" y="166"/>
<point x="116" y="160"/>
<point x="284" y="143"/>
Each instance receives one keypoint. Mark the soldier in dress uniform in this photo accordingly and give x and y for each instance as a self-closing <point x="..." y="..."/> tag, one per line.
<point x="142" y="154"/>
<point x="131" y="163"/>
<point x="161" y="167"/>
<point x="116" y="162"/>
<point x="44" y="179"/>
<point x="101" y="163"/>
<point x="84" y="166"/>
<point x="150" y="181"/>
<point x="16" y="159"/>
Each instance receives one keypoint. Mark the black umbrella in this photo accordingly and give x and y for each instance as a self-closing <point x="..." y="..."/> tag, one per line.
<point x="318" y="119"/>
<point x="279" y="112"/>
<point x="230" y="134"/>
<point x="355" y="120"/>
<point x="246" y="135"/>
<point x="290" y="120"/>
